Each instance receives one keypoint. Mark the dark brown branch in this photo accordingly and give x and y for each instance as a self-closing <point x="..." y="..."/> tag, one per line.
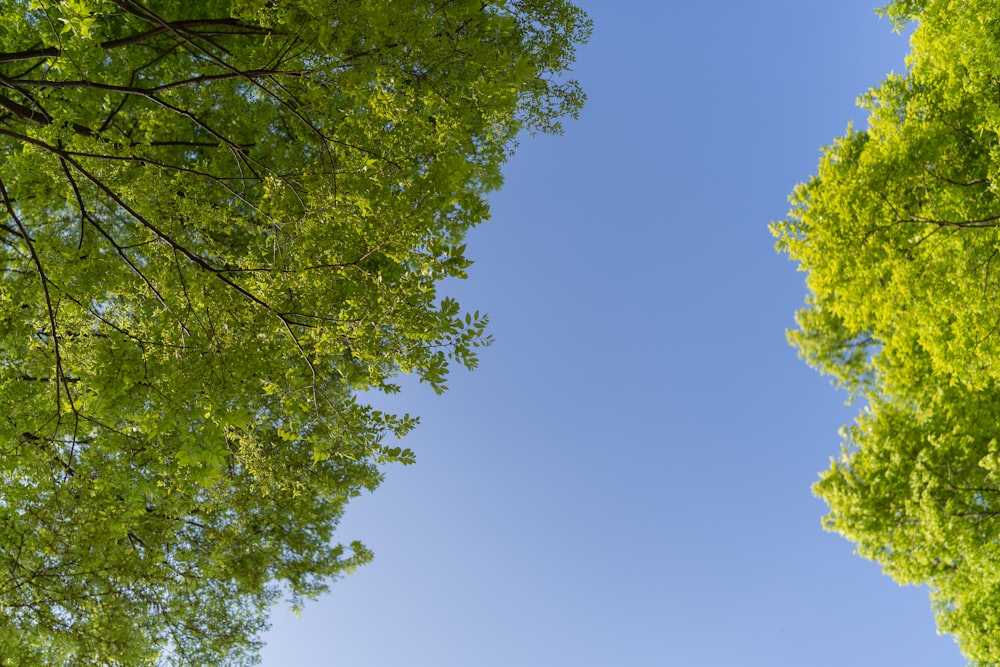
<point x="241" y="29"/>
<point x="55" y="52"/>
<point x="961" y="184"/>
<point x="60" y="376"/>
<point x="146" y="92"/>
<point x="29" y="378"/>
<point x="25" y="113"/>
<point x="30" y="54"/>
<point x="964" y="224"/>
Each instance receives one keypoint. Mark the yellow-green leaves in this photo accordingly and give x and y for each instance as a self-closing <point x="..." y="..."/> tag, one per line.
<point x="899" y="235"/>
<point x="222" y="222"/>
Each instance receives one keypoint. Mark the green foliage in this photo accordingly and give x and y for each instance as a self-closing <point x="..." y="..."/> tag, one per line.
<point x="222" y="221"/>
<point x="899" y="233"/>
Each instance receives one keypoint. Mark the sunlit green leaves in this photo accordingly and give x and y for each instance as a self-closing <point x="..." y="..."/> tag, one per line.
<point x="223" y="223"/>
<point x="899" y="234"/>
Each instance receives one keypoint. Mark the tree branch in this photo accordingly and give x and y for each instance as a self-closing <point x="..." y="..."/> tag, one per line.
<point x="60" y="376"/>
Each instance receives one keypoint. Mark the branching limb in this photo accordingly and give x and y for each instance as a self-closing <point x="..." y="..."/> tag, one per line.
<point x="60" y="375"/>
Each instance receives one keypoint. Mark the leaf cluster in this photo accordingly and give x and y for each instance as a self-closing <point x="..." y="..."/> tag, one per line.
<point x="221" y="223"/>
<point x="899" y="236"/>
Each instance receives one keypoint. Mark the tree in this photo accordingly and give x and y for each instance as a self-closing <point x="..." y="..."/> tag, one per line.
<point x="899" y="233"/>
<point x="221" y="222"/>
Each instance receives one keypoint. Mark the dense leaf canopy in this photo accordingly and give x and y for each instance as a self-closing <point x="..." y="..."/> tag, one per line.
<point x="219" y="222"/>
<point x="899" y="233"/>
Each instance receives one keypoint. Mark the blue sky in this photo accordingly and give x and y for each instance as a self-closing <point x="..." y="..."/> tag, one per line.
<point x="625" y="480"/>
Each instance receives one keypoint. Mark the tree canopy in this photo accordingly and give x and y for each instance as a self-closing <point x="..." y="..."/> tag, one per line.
<point x="899" y="233"/>
<point x="220" y="222"/>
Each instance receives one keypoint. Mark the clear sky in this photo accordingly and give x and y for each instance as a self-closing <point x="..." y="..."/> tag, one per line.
<point x="625" y="480"/>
